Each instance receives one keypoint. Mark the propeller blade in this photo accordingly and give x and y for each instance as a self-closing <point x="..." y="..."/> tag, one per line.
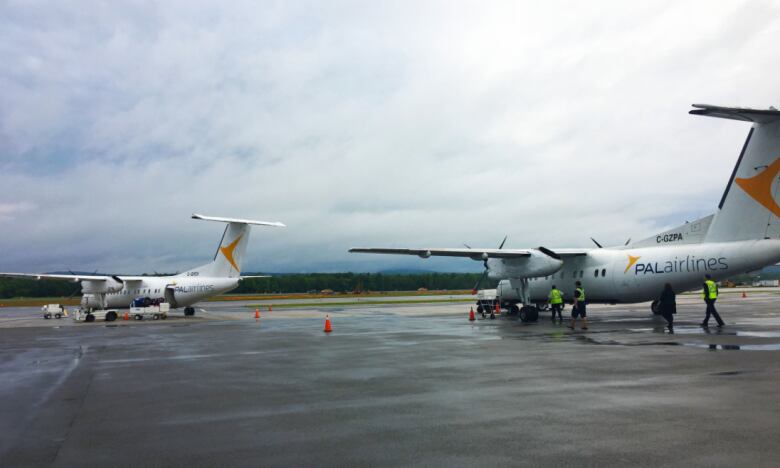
<point x="597" y="244"/>
<point x="502" y="243"/>
<point x="628" y="241"/>
<point x="479" y="281"/>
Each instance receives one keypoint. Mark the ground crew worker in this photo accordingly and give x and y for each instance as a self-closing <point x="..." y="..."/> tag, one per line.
<point x="556" y="302"/>
<point x="668" y="305"/>
<point x="578" y="307"/>
<point x="710" y="296"/>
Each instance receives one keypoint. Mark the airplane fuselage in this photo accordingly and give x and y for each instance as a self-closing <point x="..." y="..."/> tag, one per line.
<point x="179" y="291"/>
<point x="625" y="275"/>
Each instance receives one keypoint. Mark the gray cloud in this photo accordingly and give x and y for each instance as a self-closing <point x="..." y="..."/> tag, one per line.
<point x="397" y="124"/>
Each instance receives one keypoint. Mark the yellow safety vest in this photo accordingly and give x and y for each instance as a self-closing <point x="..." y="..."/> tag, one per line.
<point x="580" y="294"/>
<point x="555" y="297"/>
<point x="712" y="289"/>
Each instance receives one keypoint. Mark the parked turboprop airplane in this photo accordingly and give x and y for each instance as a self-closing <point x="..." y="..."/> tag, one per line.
<point x="182" y="290"/>
<point x="743" y="235"/>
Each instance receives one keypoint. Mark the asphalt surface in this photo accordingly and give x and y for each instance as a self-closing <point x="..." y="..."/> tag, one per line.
<point x="393" y="385"/>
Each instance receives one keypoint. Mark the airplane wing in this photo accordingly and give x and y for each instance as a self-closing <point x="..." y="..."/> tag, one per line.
<point x="571" y="252"/>
<point x="76" y="277"/>
<point x="475" y="254"/>
<point x="72" y="277"/>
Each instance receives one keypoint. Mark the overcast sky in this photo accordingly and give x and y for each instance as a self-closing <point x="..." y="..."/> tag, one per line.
<point x="364" y="124"/>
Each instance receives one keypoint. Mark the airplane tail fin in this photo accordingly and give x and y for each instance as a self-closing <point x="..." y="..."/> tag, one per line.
<point x="230" y="252"/>
<point x="748" y="209"/>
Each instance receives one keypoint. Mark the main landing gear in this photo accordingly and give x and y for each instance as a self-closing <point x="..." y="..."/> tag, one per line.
<point x="189" y="311"/>
<point x="526" y="313"/>
<point x="656" y="307"/>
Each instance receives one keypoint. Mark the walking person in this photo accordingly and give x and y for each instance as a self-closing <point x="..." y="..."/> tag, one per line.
<point x="578" y="307"/>
<point x="668" y="305"/>
<point x="710" y="296"/>
<point x="555" y="299"/>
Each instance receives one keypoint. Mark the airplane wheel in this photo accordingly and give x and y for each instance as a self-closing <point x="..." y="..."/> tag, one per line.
<point x="189" y="311"/>
<point x="514" y="310"/>
<point x="529" y="314"/>
<point x="656" y="307"/>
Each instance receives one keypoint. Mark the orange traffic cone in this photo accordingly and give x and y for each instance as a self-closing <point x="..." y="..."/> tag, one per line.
<point x="498" y="308"/>
<point x="257" y="314"/>
<point x="270" y="307"/>
<point x="471" y="315"/>
<point x="744" y="294"/>
<point x="328" y="328"/>
<point x="127" y="315"/>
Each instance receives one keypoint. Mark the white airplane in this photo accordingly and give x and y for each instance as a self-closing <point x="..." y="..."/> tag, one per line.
<point x="743" y="235"/>
<point x="182" y="290"/>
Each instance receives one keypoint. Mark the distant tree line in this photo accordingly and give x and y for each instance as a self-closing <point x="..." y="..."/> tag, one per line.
<point x="18" y="287"/>
<point x="360" y="282"/>
<point x="286" y="283"/>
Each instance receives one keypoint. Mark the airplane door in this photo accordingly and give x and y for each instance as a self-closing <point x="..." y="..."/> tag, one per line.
<point x="169" y="296"/>
<point x="625" y="282"/>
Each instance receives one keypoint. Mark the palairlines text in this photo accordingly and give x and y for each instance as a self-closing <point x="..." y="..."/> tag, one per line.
<point x="687" y="265"/>
<point x="199" y="288"/>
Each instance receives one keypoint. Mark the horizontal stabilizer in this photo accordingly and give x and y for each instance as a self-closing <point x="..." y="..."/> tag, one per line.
<point x="236" y="220"/>
<point x="737" y="113"/>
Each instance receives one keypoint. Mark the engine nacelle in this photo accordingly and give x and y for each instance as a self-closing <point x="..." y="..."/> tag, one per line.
<point x="539" y="263"/>
<point x="93" y="301"/>
<point x="98" y="287"/>
<point x="506" y="293"/>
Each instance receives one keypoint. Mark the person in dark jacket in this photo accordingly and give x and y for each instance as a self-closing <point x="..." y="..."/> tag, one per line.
<point x="668" y="306"/>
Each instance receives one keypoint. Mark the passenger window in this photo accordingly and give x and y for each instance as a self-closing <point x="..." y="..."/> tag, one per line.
<point x="596" y="273"/>
<point x="604" y="272"/>
<point x="582" y="273"/>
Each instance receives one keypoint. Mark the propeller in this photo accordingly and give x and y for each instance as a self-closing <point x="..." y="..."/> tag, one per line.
<point x="597" y="244"/>
<point x="485" y="262"/>
<point x="628" y="241"/>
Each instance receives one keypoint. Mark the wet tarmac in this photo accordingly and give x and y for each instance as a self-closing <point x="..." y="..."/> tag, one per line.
<point x="393" y="385"/>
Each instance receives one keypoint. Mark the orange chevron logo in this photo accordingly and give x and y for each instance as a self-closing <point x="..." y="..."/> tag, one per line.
<point x="759" y="187"/>
<point x="227" y="251"/>
<point x="631" y="261"/>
